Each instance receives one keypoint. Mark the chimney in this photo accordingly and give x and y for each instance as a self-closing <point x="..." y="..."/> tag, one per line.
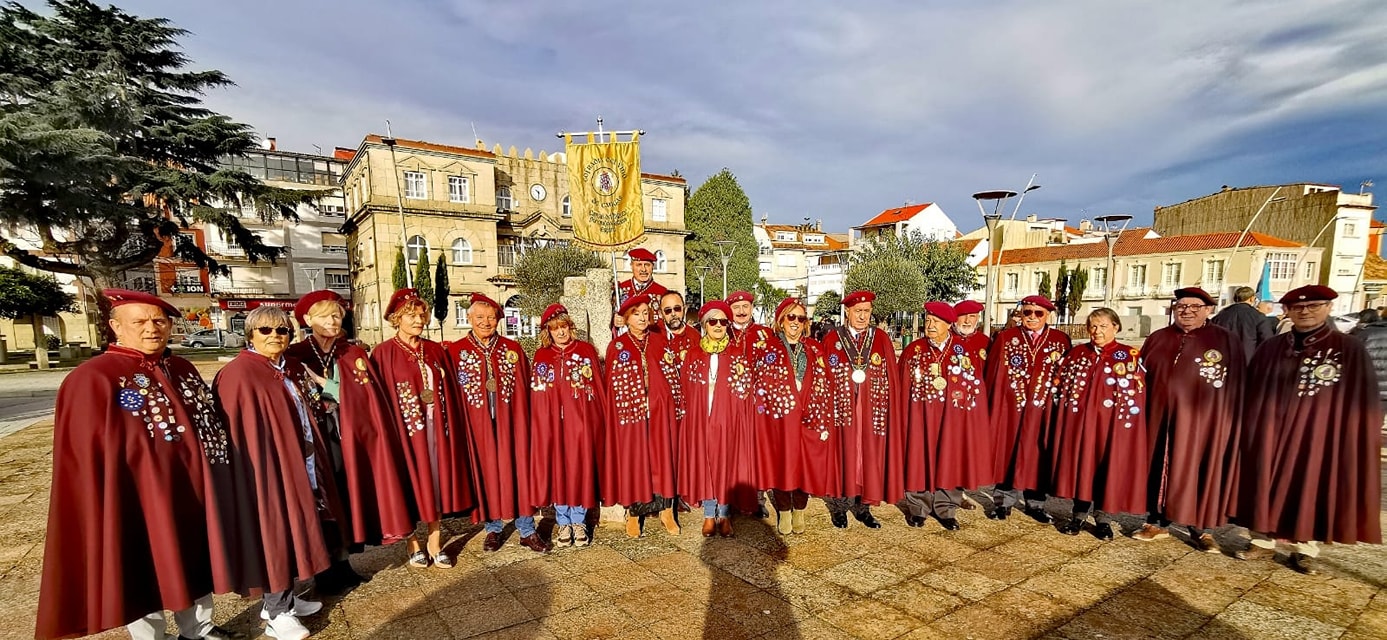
<point x="270" y="144"/>
<point x="1031" y="218"/>
<point x="765" y="217"/>
<point x="819" y="224"/>
<point x="1085" y="226"/>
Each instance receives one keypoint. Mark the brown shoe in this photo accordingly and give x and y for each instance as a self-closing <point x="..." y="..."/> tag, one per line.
<point x="492" y="542"/>
<point x="1149" y="532"/>
<point x="1206" y="543"/>
<point x="667" y="519"/>
<point x="534" y="543"/>
<point x="633" y="526"/>
<point x="725" y="527"/>
<point x="709" y="527"/>
<point x="1254" y="552"/>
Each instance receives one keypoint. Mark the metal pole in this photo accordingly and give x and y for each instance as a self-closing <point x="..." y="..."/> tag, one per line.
<point x="1107" y="286"/>
<point x="724" y="276"/>
<point x="1234" y="254"/>
<point x="389" y="141"/>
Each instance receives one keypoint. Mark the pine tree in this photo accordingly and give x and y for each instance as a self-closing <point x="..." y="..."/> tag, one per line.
<point x="440" y="290"/>
<point x="399" y="277"/>
<point x="422" y="282"/>
<point x="1078" y="284"/>
<point x="719" y="210"/>
<point x="1044" y="288"/>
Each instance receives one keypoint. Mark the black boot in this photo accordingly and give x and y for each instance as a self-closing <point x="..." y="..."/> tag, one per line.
<point x="338" y="579"/>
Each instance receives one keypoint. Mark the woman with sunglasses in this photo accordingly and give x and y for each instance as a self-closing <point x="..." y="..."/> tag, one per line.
<point x="271" y="410"/>
<point x="425" y="406"/>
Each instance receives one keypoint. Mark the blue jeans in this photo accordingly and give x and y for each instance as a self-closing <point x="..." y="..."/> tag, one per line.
<point x="564" y="514"/>
<point x="524" y="525"/>
<point x="711" y="509"/>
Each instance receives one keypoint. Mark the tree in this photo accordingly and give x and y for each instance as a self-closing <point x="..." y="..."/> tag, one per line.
<point x="106" y="151"/>
<point x="942" y="264"/>
<point x="1062" y="288"/>
<point x="896" y="281"/>
<point x="422" y="282"/>
<point x="768" y="297"/>
<point x="1078" y="284"/>
<point x="827" y="304"/>
<point x="1044" y="288"/>
<point x="440" y="291"/>
<point x="32" y="295"/>
<point x="541" y="271"/>
<point x="719" y="210"/>
<point x="398" y="275"/>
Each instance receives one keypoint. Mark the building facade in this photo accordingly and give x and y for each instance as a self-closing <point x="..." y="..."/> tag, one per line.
<point x="928" y="218"/>
<point x="801" y="259"/>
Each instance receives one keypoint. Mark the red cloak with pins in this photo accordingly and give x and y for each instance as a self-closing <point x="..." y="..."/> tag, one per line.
<point x="568" y="408"/>
<point x="652" y="290"/>
<point x="681" y="343"/>
<point x="1194" y="395"/>
<point x="820" y="467"/>
<point x="494" y="380"/>
<point x="1020" y="384"/>
<point x="444" y="444"/>
<point x="373" y="463"/>
<point x="947" y="438"/>
<point x="789" y="412"/>
<point x="135" y="520"/>
<point x="270" y="450"/>
<point x="1100" y="452"/>
<point x="1311" y="440"/>
<point x="863" y="419"/>
<point x="976" y="343"/>
<point x="717" y="446"/>
<point x="642" y="415"/>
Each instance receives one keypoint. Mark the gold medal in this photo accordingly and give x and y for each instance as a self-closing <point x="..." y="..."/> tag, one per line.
<point x="859" y="376"/>
<point x="939" y="384"/>
<point x="1212" y="357"/>
<point x="360" y="364"/>
<point x="1120" y="369"/>
<point x="427" y="396"/>
<point x="491" y="386"/>
<point x="1326" y="372"/>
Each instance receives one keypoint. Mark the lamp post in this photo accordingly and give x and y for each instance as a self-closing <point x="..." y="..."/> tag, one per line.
<point x="1296" y="269"/>
<point x="702" y="273"/>
<point x="726" y="256"/>
<point x="389" y="141"/>
<point x="1111" y="232"/>
<point x="999" y="197"/>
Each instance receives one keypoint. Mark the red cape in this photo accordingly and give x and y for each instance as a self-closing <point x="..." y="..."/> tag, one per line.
<point x="1311" y="440"/>
<point x="500" y="448"/>
<point x="268" y="452"/>
<point x="820" y="467"/>
<point x="782" y="408"/>
<point x="948" y="441"/>
<point x="377" y="479"/>
<point x="1194" y="395"/>
<point x="567" y="404"/>
<point x="134" y="523"/>
<point x="863" y="420"/>
<point x="976" y="343"/>
<point x="653" y="291"/>
<point x="402" y="380"/>
<point x="1100" y="449"/>
<point x="1020" y="384"/>
<point x="642" y="412"/>
<point x="717" y="446"/>
<point x="681" y="343"/>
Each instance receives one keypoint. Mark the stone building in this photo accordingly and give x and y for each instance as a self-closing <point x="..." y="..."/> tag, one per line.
<point x="480" y="209"/>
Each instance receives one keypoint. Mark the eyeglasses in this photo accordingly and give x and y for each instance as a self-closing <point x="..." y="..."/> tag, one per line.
<point x="795" y="317"/>
<point x="265" y="331"/>
<point x="1181" y="308"/>
<point x="717" y="322"/>
<point x="1033" y="313"/>
<point x="669" y="310"/>
<point x="1308" y="306"/>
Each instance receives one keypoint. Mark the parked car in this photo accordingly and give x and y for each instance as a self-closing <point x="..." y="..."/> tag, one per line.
<point x="208" y="338"/>
<point x="1344" y="323"/>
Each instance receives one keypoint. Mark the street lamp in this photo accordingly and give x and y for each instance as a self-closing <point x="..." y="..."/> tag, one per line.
<point x="1111" y="231"/>
<point x="730" y="246"/>
<point x="999" y="197"/>
<point x="702" y="273"/>
<point x="389" y="141"/>
<point x="1296" y="269"/>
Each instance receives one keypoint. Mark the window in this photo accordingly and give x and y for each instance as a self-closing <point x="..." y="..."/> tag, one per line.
<point x="415" y="189"/>
<point x="1170" y="274"/>
<point x="462" y="251"/>
<point x="505" y="254"/>
<point x="143" y="283"/>
<point x="1013" y="282"/>
<point x="1136" y="276"/>
<point x="660" y="260"/>
<point x="765" y="249"/>
<point x="460" y="313"/>
<point x="188" y="281"/>
<point x="1213" y="273"/>
<point x="334" y="243"/>
<point x="503" y="199"/>
<point x="417" y="245"/>
<point x="785" y="236"/>
<point x="332" y="210"/>
<point x="338" y="279"/>
<point x="785" y="259"/>
<point x="1098" y="279"/>
<point x="1282" y="265"/>
<point x="1311" y="272"/>
<point x="657" y="210"/>
<point x="457" y="189"/>
<point x="765" y="268"/>
<point x="1350" y="230"/>
<point x="813" y="239"/>
<point x="567" y="208"/>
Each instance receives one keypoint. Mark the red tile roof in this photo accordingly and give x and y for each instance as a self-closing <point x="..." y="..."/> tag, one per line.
<point x="661" y="176"/>
<point x="343" y="153"/>
<point x="1134" y="243"/>
<point x="892" y="216"/>
<point x="1375" y="268"/>
<point x="1377" y="224"/>
<point x="433" y="146"/>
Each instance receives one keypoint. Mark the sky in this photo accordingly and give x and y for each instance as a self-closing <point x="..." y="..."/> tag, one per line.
<point x="836" y="111"/>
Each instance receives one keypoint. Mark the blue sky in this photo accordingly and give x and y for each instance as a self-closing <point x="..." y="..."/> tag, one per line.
<point x="839" y="110"/>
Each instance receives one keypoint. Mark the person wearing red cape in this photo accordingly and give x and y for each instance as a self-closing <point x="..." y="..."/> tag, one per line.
<point x="1194" y="375"/>
<point x="680" y="336"/>
<point x="752" y="338"/>
<point x="281" y="462"/>
<point x="426" y="411"/>
<point x="643" y="409"/>
<point x="367" y="459"/>
<point x="1311" y="436"/>
<point x="947" y="438"/>
<point x="1021" y="367"/>
<point x="641" y="284"/>
<point x="861" y="377"/>
<point x="966" y="328"/>
<point x="140" y="465"/>
<point x="791" y="399"/>
<point x="717" y="456"/>
<point x="567" y="408"/>
<point x="1100" y="457"/>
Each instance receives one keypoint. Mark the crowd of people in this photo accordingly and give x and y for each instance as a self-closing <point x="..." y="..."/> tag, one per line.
<point x="167" y="490"/>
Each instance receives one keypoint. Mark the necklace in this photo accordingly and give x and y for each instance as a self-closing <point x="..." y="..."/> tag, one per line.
<point x="487" y="352"/>
<point x="426" y="394"/>
<point x="324" y="359"/>
<point x="856" y="352"/>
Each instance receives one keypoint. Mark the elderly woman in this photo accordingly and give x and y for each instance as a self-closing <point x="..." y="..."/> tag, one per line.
<point x="367" y="460"/>
<point x="717" y="456"/>
<point x="567" y="404"/>
<point x="271" y="410"/>
<point x="425" y="405"/>
<point x="1100" y="453"/>
<point x="638" y="446"/>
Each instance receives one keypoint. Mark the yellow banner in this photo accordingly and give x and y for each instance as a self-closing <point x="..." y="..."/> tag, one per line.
<point x="604" y="183"/>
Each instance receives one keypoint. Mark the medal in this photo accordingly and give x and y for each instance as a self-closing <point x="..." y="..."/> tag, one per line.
<point x="939" y="384"/>
<point x="427" y="396"/>
<point x="859" y="376"/>
<point x="1212" y="357"/>
<point x="1326" y="372"/>
<point x="491" y="386"/>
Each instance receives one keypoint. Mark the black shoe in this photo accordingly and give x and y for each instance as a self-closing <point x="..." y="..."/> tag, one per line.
<point x="1102" y="530"/>
<point x="950" y="523"/>
<point x="840" y="520"/>
<point x="999" y="513"/>
<point x="1073" y="527"/>
<point x="338" y="579"/>
<point x="914" y="521"/>
<point x="1304" y="564"/>
<point x="1040" y="515"/>
<point x="868" y="520"/>
<point x="217" y="633"/>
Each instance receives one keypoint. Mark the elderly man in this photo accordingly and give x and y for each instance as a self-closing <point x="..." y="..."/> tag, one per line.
<point x="1194" y="387"/>
<point x="493" y="373"/>
<point x="1246" y="320"/>
<point x="641" y="283"/>
<point x="139" y="462"/>
<point x="1311" y="435"/>
<point x="1021" y="367"/>
<point x="861" y="378"/>
<point x="966" y="328"/>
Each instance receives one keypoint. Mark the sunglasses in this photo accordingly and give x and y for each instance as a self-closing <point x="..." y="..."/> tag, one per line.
<point x="795" y="317"/>
<point x="717" y="322"/>
<point x="1033" y="313"/>
<point x="265" y="331"/>
<point x="673" y="310"/>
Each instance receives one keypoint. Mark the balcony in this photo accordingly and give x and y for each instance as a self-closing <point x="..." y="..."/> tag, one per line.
<point x="1138" y="291"/>
<point x="332" y="248"/>
<point x="239" y="291"/>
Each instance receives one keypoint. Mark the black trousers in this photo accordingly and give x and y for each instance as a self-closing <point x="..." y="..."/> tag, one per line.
<point x="844" y="505"/>
<point x="788" y="500"/>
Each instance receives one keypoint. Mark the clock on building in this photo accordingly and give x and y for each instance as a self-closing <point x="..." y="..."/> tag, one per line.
<point x="537" y="192"/>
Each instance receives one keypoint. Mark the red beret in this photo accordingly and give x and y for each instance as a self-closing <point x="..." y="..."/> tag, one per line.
<point x="942" y="310"/>
<point x="482" y="298"/>
<point x="400" y="297"/>
<point x="785" y="306"/>
<point x="551" y="311"/>
<point x="120" y="297"/>
<point x="968" y="306"/>
<point x="314" y="297"/>
<point x="740" y="296"/>
<point x="858" y="297"/>
<point x="715" y="305"/>
<point x="1039" y="301"/>
<point x="632" y="302"/>
<point x="1194" y="292"/>
<point x="641" y="254"/>
<point x="1309" y="293"/>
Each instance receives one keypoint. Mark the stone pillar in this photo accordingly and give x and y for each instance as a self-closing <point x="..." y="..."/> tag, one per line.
<point x="589" y="302"/>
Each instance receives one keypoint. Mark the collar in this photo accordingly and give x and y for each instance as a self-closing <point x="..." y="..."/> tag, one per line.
<point x="145" y="358"/>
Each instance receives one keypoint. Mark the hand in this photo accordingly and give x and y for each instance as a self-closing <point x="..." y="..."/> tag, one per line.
<point x="317" y="379"/>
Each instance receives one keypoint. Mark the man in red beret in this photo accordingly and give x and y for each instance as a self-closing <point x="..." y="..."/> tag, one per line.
<point x="1021" y="367"/>
<point x="862" y="379"/>
<point x="1311" y="436"/>
<point x="139" y="465"/>
<point x="1194" y="387"/>
<point x="493" y="374"/>
<point x="966" y="328"/>
<point x="677" y="331"/>
<point x="641" y="283"/>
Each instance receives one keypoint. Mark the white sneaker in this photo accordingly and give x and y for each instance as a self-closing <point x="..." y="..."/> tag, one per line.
<point x="302" y="609"/>
<point x="286" y="627"/>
